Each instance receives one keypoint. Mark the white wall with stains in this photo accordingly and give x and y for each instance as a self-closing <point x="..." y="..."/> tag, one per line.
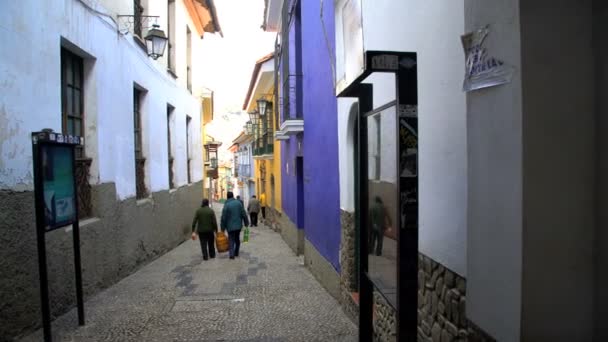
<point x="412" y="26"/>
<point x="30" y="96"/>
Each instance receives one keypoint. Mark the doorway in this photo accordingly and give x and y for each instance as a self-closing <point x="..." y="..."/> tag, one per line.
<point x="300" y="191"/>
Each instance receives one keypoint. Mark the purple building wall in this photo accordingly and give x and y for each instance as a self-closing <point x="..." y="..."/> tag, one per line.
<point x="319" y="145"/>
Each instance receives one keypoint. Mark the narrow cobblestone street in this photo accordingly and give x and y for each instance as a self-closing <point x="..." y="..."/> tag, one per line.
<point x="265" y="295"/>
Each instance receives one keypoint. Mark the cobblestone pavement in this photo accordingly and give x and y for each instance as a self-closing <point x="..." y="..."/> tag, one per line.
<point x="264" y="295"/>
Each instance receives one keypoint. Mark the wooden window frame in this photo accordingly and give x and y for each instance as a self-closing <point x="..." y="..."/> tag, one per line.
<point x="70" y="86"/>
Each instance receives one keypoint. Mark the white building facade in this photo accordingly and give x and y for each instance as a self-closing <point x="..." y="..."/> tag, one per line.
<point x="505" y="227"/>
<point x="81" y="67"/>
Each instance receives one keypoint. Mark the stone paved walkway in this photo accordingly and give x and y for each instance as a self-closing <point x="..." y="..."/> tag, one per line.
<point x="265" y="295"/>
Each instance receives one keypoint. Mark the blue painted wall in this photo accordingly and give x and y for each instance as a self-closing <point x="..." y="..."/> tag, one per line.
<point x="320" y="148"/>
<point x="289" y="148"/>
<point x="315" y="101"/>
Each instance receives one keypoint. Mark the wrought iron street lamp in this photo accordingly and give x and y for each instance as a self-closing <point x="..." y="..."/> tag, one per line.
<point x="156" y="41"/>
<point x="255" y="121"/>
<point x="262" y="106"/>
<point x="249" y="128"/>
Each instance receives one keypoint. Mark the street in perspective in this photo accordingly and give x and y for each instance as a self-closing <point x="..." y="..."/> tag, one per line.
<point x="303" y="170"/>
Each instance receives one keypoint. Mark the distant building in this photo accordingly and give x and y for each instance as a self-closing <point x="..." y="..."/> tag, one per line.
<point x="266" y="148"/>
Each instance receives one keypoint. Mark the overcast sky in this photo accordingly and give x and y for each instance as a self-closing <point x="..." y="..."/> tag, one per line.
<point x="229" y="61"/>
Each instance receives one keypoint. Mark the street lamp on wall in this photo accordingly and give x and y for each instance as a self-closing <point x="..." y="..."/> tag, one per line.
<point x="262" y="106"/>
<point x="255" y="121"/>
<point x="156" y="41"/>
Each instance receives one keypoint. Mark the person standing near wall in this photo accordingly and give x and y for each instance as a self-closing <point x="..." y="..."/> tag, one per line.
<point x="233" y="217"/>
<point x="254" y="209"/>
<point x="380" y="221"/>
<point x="263" y="205"/>
<point x="207" y="226"/>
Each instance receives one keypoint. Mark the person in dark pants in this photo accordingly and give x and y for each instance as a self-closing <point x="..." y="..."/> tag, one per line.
<point x="240" y="200"/>
<point x="253" y="207"/>
<point x="233" y="217"/>
<point x="207" y="226"/>
<point x="380" y="221"/>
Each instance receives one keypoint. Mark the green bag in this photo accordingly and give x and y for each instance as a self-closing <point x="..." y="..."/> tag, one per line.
<point x="246" y="235"/>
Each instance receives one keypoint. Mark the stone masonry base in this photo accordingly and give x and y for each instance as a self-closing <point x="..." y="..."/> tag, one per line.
<point x="348" y="274"/>
<point x="120" y="238"/>
<point x="441" y="308"/>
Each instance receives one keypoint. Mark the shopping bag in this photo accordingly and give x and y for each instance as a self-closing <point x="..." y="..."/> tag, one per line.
<point x="246" y="235"/>
<point x="221" y="242"/>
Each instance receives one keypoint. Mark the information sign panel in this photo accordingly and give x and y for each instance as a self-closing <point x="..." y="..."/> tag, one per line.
<point x="57" y="185"/>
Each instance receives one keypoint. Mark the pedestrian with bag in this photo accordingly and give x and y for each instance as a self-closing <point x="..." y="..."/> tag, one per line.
<point x="205" y="224"/>
<point x="233" y="218"/>
<point x="253" y="207"/>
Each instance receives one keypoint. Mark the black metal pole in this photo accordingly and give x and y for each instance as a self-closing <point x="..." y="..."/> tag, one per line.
<point x="366" y="294"/>
<point x="407" y="280"/>
<point x="76" y="238"/>
<point x="42" y="272"/>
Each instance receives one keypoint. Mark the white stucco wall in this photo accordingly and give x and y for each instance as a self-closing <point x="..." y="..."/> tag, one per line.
<point x="495" y="195"/>
<point x="442" y="114"/>
<point x="346" y="136"/>
<point x="31" y="96"/>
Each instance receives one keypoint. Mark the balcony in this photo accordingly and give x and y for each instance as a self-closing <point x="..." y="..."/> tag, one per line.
<point x="291" y="106"/>
<point x="244" y="171"/>
<point x="264" y="151"/>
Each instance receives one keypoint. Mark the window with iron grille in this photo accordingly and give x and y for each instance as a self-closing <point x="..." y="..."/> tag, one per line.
<point x="138" y="11"/>
<point x="140" y="161"/>
<point x="188" y="148"/>
<point x="171" y="35"/>
<point x="72" y="123"/>
<point x="169" y="147"/>
<point x="284" y="60"/>
<point x="188" y="59"/>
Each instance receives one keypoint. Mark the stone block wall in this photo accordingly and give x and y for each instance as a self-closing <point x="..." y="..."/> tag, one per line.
<point x="273" y="219"/>
<point x="120" y="238"/>
<point x="441" y="308"/>
<point x="385" y="320"/>
<point x="348" y="274"/>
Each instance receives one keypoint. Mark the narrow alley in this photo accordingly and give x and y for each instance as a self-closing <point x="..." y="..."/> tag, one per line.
<point x="406" y="160"/>
<point x="264" y="295"/>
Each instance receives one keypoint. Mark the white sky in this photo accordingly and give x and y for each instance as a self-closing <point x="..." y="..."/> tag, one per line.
<point x="229" y="61"/>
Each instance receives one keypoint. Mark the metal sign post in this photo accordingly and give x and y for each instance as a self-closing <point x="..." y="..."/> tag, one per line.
<point x="402" y="295"/>
<point x="56" y="201"/>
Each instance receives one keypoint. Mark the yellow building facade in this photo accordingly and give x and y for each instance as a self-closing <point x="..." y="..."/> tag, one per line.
<point x="267" y="150"/>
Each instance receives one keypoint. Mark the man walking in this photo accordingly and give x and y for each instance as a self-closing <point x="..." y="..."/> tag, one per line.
<point x="240" y="200"/>
<point x="207" y="226"/>
<point x="233" y="217"/>
<point x="254" y="209"/>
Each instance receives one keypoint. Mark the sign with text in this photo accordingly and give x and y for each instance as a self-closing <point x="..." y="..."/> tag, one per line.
<point x="54" y="162"/>
<point x="482" y="70"/>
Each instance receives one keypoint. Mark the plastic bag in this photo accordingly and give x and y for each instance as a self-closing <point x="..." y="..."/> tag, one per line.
<point x="246" y="235"/>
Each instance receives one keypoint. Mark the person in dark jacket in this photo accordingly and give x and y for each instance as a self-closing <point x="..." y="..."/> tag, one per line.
<point x="207" y="226"/>
<point x="380" y="221"/>
<point x="254" y="209"/>
<point x="233" y="217"/>
<point x="240" y="200"/>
